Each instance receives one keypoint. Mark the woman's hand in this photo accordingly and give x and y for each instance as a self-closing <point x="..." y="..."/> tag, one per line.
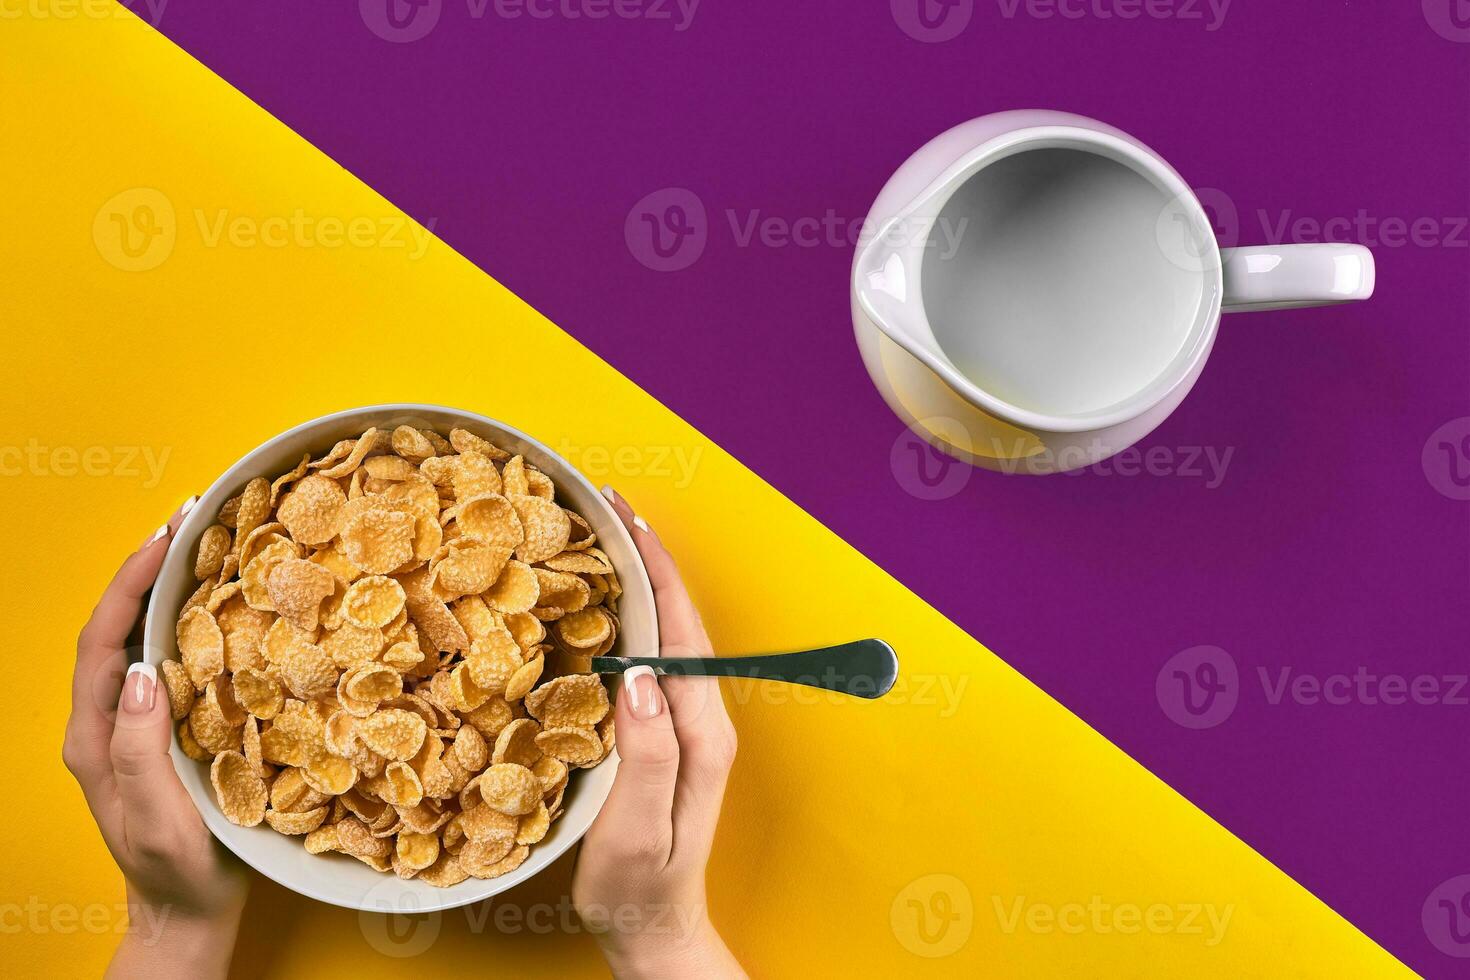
<point x="639" y="882"/>
<point x="184" y="894"/>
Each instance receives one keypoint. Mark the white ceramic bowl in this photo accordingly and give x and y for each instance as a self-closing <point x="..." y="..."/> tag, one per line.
<point x="337" y="878"/>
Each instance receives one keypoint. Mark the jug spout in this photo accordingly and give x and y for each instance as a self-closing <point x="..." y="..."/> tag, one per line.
<point x="886" y="281"/>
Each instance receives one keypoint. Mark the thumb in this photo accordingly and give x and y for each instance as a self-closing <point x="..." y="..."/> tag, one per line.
<point x="147" y="785"/>
<point x="637" y="819"/>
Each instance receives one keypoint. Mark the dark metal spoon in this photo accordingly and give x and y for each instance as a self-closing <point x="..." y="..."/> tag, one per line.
<point x="862" y="668"/>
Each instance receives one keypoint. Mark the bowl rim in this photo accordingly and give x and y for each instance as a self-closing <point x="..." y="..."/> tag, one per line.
<point x="634" y="579"/>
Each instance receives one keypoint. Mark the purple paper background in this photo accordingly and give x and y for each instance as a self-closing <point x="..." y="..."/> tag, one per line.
<point x="1327" y="546"/>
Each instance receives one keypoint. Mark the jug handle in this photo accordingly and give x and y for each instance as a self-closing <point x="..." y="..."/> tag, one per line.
<point x="1285" y="277"/>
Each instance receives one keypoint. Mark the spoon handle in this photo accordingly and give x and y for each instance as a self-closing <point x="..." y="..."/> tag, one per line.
<point x="862" y="668"/>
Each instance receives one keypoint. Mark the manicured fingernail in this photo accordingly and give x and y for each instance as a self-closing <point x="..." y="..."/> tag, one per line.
<point x="610" y="494"/>
<point x="644" y="697"/>
<point x="188" y="505"/>
<point x="139" y="688"/>
<point x="156" y="536"/>
<point x="640" y="524"/>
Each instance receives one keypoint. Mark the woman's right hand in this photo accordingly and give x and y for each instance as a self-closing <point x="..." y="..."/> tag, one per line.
<point x="639" y="882"/>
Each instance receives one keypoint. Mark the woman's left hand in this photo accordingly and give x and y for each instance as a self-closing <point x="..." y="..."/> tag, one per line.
<point x="185" y="895"/>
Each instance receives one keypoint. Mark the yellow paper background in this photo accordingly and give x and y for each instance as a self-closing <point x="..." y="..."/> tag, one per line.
<point x="843" y="817"/>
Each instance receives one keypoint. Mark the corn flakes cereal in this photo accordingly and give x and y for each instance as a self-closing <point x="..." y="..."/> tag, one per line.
<point x="491" y="717"/>
<point x="551" y="772"/>
<point x="509" y="788"/>
<point x="378" y="541"/>
<point x="584" y="629"/>
<point x="576" y="700"/>
<point x="214" y="544"/>
<point x="468" y="566"/>
<point x="493" y="659"/>
<point x="572" y="745"/>
<point x="474" y="474"/>
<point x="534" y="825"/>
<point x="254" y="507"/>
<point x="350" y="645"/>
<point x="527" y="630"/>
<point x="390" y="468"/>
<point x="516" y="743"/>
<point x="525" y="677"/>
<point x="591" y="561"/>
<point x="490" y="518"/>
<point x="470" y="749"/>
<point x="296" y="824"/>
<point x="359" y="450"/>
<point x="312" y="512"/>
<point x="393" y="733"/>
<point x="190" y="745"/>
<point x="364" y="687"/>
<point x="495" y="869"/>
<point x="465" y="441"/>
<point x="513" y="477"/>
<point x="546" y="526"/>
<point x="411" y="444"/>
<point x="255" y="573"/>
<point x="238" y="787"/>
<point x="416" y="851"/>
<point x="582" y="535"/>
<point x="373" y="602"/>
<point x="561" y="590"/>
<point x="444" y="872"/>
<point x="307" y="671"/>
<point x="297" y="588"/>
<point x="281" y="482"/>
<point x="179" y="687"/>
<point x="516" y="591"/>
<point x="370" y="631"/>
<point x="329" y="774"/>
<point x="291" y="794"/>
